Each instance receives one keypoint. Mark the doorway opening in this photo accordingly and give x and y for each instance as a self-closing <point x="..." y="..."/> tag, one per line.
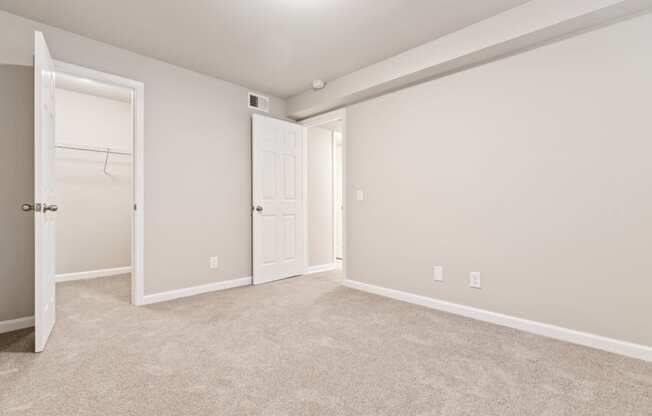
<point x="325" y="190"/>
<point x="99" y="181"/>
<point x="298" y="216"/>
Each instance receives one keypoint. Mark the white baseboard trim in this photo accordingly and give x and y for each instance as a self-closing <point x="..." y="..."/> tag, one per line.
<point x="195" y="290"/>
<point x="628" y="349"/>
<point x="92" y="274"/>
<point x="321" y="268"/>
<point x="16" y="324"/>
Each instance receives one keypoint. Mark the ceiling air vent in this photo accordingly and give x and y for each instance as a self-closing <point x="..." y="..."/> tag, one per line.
<point x="258" y="102"/>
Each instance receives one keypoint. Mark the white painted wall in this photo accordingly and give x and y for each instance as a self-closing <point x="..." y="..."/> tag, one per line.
<point x="94" y="220"/>
<point x="534" y="170"/>
<point x="320" y="196"/>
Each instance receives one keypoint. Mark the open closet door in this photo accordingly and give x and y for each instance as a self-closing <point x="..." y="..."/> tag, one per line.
<point x="279" y="209"/>
<point x="43" y="207"/>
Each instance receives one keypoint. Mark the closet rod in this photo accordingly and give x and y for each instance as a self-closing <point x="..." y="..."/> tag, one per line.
<point x="92" y="149"/>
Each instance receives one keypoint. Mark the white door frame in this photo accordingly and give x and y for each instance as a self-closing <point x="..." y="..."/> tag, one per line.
<point x="317" y="121"/>
<point x="335" y="205"/>
<point x="138" y="219"/>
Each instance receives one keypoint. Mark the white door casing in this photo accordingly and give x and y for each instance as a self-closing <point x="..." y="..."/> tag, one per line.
<point x="138" y="219"/>
<point x="326" y="118"/>
<point x="338" y="195"/>
<point x="44" y="192"/>
<point x="278" y="199"/>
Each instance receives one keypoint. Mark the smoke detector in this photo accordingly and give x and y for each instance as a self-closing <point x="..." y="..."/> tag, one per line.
<point x="318" y="84"/>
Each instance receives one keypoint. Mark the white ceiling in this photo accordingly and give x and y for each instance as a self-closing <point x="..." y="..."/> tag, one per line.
<point x="87" y="86"/>
<point x="275" y="46"/>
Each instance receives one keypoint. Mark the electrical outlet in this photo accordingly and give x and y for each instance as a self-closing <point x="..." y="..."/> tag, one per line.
<point x="475" y="280"/>
<point x="213" y="262"/>
<point x="438" y="273"/>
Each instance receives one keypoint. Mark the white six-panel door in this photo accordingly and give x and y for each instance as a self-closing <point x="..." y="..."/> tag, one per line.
<point x="44" y="187"/>
<point x="278" y="199"/>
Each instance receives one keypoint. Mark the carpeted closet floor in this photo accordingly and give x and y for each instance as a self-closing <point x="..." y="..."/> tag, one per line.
<point x="303" y="346"/>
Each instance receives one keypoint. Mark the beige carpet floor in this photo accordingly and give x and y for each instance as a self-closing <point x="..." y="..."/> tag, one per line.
<point x="304" y="346"/>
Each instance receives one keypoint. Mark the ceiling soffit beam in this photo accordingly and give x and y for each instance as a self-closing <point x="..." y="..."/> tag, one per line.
<point x="532" y="24"/>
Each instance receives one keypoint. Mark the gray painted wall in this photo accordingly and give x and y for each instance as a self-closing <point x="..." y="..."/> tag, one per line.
<point x="320" y="196"/>
<point x="533" y="170"/>
<point x="197" y="157"/>
<point x="16" y="188"/>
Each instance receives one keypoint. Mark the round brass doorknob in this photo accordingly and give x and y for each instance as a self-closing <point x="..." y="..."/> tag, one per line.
<point x="27" y="207"/>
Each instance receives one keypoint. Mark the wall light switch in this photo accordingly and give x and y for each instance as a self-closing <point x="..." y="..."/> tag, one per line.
<point x="438" y="273"/>
<point x="359" y="195"/>
<point x="475" y="280"/>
